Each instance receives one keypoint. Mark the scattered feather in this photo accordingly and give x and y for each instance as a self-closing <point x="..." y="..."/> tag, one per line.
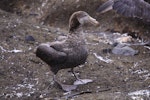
<point x="147" y="47"/>
<point x="106" y="60"/>
<point x="11" y="51"/>
<point x="82" y="81"/>
<point x="15" y="51"/>
<point x="139" y="95"/>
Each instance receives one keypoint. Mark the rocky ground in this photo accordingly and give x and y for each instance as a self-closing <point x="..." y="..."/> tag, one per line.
<point x="115" y="77"/>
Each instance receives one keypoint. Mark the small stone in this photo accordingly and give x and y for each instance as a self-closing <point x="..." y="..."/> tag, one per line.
<point x="29" y="38"/>
<point x="124" y="50"/>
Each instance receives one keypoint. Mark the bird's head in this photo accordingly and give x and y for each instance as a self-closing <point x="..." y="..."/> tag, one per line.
<point x="80" y="18"/>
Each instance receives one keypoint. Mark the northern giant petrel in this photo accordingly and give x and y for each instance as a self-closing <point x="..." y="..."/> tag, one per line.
<point x="69" y="52"/>
<point x="129" y="8"/>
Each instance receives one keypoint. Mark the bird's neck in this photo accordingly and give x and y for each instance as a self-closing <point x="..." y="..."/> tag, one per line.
<point x="78" y="34"/>
<point x="77" y="31"/>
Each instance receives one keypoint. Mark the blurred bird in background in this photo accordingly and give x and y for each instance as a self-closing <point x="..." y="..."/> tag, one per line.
<point x="130" y="8"/>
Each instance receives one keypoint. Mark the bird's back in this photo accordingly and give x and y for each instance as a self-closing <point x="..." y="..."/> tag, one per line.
<point x="60" y="55"/>
<point x="76" y="51"/>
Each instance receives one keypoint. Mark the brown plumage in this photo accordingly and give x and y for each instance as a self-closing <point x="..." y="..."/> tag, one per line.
<point x="129" y="8"/>
<point x="71" y="51"/>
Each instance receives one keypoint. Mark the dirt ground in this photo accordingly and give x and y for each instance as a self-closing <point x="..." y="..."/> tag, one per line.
<point x="23" y="76"/>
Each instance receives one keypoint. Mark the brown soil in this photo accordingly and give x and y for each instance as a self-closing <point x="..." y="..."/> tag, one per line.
<point x="24" y="76"/>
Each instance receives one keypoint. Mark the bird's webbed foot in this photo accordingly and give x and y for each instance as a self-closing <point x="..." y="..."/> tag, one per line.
<point x="80" y="81"/>
<point x="64" y="86"/>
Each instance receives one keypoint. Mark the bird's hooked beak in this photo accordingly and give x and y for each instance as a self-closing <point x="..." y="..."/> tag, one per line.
<point x="89" y="20"/>
<point x="93" y="21"/>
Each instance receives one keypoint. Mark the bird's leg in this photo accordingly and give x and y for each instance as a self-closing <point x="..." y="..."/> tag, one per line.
<point x="55" y="80"/>
<point x="51" y="83"/>
<point x="72" y="70"/>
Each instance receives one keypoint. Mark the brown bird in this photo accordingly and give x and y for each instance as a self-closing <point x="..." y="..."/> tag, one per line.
<point x="129" y="8"/>
<point x="70" y="51"/>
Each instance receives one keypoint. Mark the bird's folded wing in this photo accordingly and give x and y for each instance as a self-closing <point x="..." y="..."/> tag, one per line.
<point x="50" y="55"/>
<point x="106" y="6"/>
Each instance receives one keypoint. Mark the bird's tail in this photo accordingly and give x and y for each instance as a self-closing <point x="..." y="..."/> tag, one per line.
<point x="106" y="6"/>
